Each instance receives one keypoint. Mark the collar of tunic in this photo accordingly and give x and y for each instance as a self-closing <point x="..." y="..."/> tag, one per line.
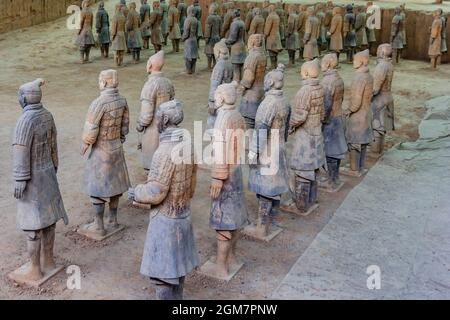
<point x="311" y="82"/>
<point x="363" y="69"/>
<point x="275" y="92"/>
<point x="32" y="107"/>
<point x="330" y="72"/>
<point x="227" y="106"/>
<point x="171" y="135"/>
<point x="110" y="91"/>
<point x="155" y="74"/>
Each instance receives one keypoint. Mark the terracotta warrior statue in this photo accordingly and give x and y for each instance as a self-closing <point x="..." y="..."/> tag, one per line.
<point x="249" y="17"/>
<point x="102" y="28"/>
<point x="268" y="176"/>
<point x="157" y="90"/>
<point x="35" y="163"/>
<point x="222" y="73"/>
<point x="382" y="101"/>
<point x="212" y="35"/>
<point x="265" y="9"/>
<point x="349" y="33"/>
<point x="403" y="26"/>
<point x="169" y="251"/>
<point x="358" y="131"/>
<point x="145" y="12"/>
<point x="272" y="34"/>
<point x="302" y="16"/>
<point x="322" y="37"/>
<point x="434" y="49"/>
<point x="333" y="126"/>
<point x="106" y="176"/>
<point x="336" y="44"/>
<point x="396" y="35"/>
<point x="118" y="35"/>
<point x="189" y="38"/>
<point x="197" y="11"/>
<point x="228" y="213"/>
<point x="174" y="26"/>
<point x="257" y="24"/>
<point x="134" y="32"/>
<point x="443" y="32"/>
<point x="164" y="11"/>
<point x="327" y="20"/>
<point x="182" y="9"/>
<point x="125" y="11"/>
<point x="360" y="28"/>
<point x="371" y="37"/>
<point x="155" y="26"/>
<point x="308" y="147"/>
<point x="312" y="33"/>
<point x="227" y="19"/>
<point x="292" y="39"/>
<point x="85" y="38"/>
<point x="235" y="41"/>
<point x="279" y="9"/>
<point x="253" y="79"/>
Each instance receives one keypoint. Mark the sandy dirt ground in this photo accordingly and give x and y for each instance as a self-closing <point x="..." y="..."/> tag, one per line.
<point x="110" y="269"/>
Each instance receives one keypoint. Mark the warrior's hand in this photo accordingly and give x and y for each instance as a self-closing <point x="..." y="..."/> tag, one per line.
<point x="84" y="148"/>
<point x="211" y="110"/>
<point x="139" y="128"/>
<point x="291" y="130"/>
<point x="216" y="187"/>
<point x="131" y="194"/>
<point x="347" y="112"/>
<point x="19" y="189"/>
<point x="139" y="146"/>
<point x="252" y="156"/>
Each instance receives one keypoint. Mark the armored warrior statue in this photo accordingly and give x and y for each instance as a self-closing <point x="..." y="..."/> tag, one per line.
<point x="272" y="34"/>
<point x="308" y="148"/>
<point x="253" y="79"/>
<point x="292" y="39"/>
<point x="197" y="11"/>
<point x="106" y="175"/>
<point x="39" y="202"/>
<point x="169" y="251"/>
<point x="396" y="35"/>
<point x="403" y="26"/>
<point x="190" y="41"/>
<point x="371" y="37"/>
<point x="358" y="131"/>
<point x="265" y="9"/>
<point x="322" y="36"/>
<point x="382" y="101"/>
<point x="125" y="11"/>
<point x="268" y="177"/>
<point x="443" y="32"/>
<point x="257" y="24"/>
<point x="102" y="27"/>
<point x="336" y="32"/>
<point x="227" y="20"/>
<point x="156" y="90"/>
<point x="434" y="49"/>
<point x="312" y="32"/>
<point x="249" y="17"/>
<point x="85" y="38"/>
<point x="349" y="33"/>
<point x="145" y="12"/>
<point x="134" y="32"/>
<point x="333" y="126"/>
<point x="228" y="208"/>
<point x="327" y="20"/>
<point x="282" y="15"/>
<point x="155" y="26"/>
<point x="164" y="9"/>
<point x="302" y="16"/>
<point x="118" y="35"/>
<point x="212" y="35"/>
<point x="222" y="73"/>
<point x="235" y="41"/>
<point x="360" y="29"/>
<point x="182" y="9"/>
<point x="174" y="26"/>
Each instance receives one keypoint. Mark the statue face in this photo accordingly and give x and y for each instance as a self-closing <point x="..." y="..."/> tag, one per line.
<point x="21" y="98"/>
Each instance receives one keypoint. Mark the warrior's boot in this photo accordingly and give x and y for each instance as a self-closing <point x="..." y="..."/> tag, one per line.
<point x="177" y="45"/>
<point x="378" y="145"/>
<point x="88" y="50"/>
<point x="164" y="291"/>
<point x="302" y="194"/>
<point x="82" y="59"/>
<point x="274" y="213"/>
<point x="237" y="69"/>
<point x="47" y="244"/>
<point x="264" y="210"/>
<point x="178" y="289"/>
<point x="102" y="51"/>
<point x="116" y="58"/>
<point x="433" y="62"/>
<point x="273" y="61"/>
<point x="187" y="64"/>
<point x="235" y="235"/>
<point x="121" y="58"/>
<point x="34" y="248"/>
<point x="113" y="208"/>
<point x="336" y="172"/>
<point x="331" y="165"/>
<point x="138" y="55"/>
<point x="362" y="157"/>
<point x="291" y="54"/>
<point x="98" y="226"/>
<point x="209" y="62"/>
<point x="300" y="58"/>
<point x="354" y="160"/>
<point x="174" y="46"/>
<point x="193" y="64"/>
<point x="314" y="188"/>
<point x="106" y="51"/>
<point x="224" y="246"/>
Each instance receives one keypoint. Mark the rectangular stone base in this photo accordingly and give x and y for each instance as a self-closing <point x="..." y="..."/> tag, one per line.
<point x="18" y="276"/>
<point x="351" y="173"/>
<point x="326" y="187"/>
<point x="91" y="235"/>
<point x="251" y="232"/>
<point x="209" y="269"/>
<point x="293" y="209"/>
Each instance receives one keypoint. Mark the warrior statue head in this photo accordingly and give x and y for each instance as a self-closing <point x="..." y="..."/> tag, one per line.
<point x="349" y="8"/>
<point x="225" y="95"/>
<point x="236" y="13"/>
<point x="155" y="5"/>
<point x="250" y="6"/>
<point x="190" y="11"/>
<point x="30" y="93"/>
<point x="156" y="62"/>
<point x="336" y="11"/>
<point x="123" y="2"/>
<point x="255" y="41"/>
<point x="274" y="79"/>
<point x="221" y="50"/>
<point x="302" y="8"/>
<point x="319" y="7"/>
<point x="118" y="8"/>
<point x="85" y="4"/>
<point x="213" y="9"/>
<point x="330" y="4"/>
<point x="279" y="5"/>
<point x="266" y="3"/>
<point x="101" y="5"/>
<point x="271" y="8"/>
<point x="310" y="11"/>
<point x="310" y="69"/>
<point x="397" y="11"/>
<point x="384" y="51"/>
<point x="143" y="2"/>
<point x="257" y="11"/>
<point x="169" y="115"/>
<point x="361" y="59"/>
<point x="292" y="8"/>
<point x="108" y="79"/>
<point x="329" y="62"/>
<point x="132" y="6"/>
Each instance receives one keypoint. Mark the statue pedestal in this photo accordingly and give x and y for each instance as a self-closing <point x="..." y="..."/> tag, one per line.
<point x="94" y="236"/>
<point x="19" y="276"/>
<point x="209" y="269"/>
<point x="252" y="232"/>
<point x="352" y="173"/>
<point x="292" y="208"/>
<point x="325" y="186"/>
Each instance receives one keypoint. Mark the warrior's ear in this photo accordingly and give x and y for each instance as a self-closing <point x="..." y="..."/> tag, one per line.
<point x="40" y="82"/>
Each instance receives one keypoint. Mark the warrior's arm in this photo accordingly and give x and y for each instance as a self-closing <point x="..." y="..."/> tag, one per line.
<point x="233" y="36"/>
<point x="308" y="30"/>
<point x="125" y="128"/>
<point x="22" y="151"/>
<point x="333" y="26"/>
<point x="54" y="146"/>
<point x="379" y="76"/>
<point x="82" y="19"/>
<point x="114" y="29"/>
<point x="186" y="30"/>
<point x="301" y="109"/>
<point x="147" y="112"/>
<point x="268" y="27"/>
<point x="91" y="126"/>
<point x="290" y="26"/>
<point x="261" y="132"/>
<point x="208" y="27"/>
<point x="98" y="22"/>
<point x="248" y="77"/>
<point x="356" y="96"/>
